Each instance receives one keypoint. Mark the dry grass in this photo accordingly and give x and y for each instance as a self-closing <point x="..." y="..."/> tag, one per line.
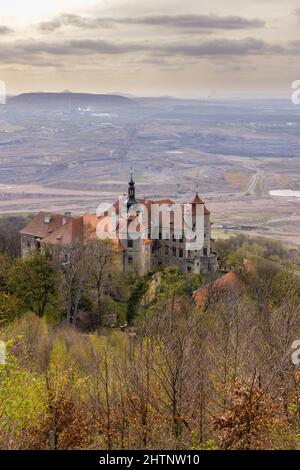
<point x="238" y="179"/>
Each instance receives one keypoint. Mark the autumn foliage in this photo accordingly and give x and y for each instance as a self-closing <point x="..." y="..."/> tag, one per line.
<point x="179" y="376"/>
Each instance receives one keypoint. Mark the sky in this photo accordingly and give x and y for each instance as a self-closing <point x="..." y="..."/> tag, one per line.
<point x="190" y="48"/>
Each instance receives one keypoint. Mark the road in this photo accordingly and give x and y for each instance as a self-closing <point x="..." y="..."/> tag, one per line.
<point x="255" y="183"/>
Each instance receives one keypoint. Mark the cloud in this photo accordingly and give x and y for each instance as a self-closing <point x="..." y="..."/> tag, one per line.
<point x="32" y="52"/>
<point x="77" y="47"/>
<point x="223" y="47"/>
<point x="5" y="30"/>
<point x="49" y="26"/>
<point x="214" y="47"/>
<point x="186" y="22"/>
<point x="205" y="48"/>
<point x="44" y="53"/>
<point x="294" y="47"/>
<point x="197" y="21"/>
<point x="75" y="21"/>
<point x="101" y="46"/>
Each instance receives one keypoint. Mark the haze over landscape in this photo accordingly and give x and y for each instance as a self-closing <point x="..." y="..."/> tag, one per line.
<point x="234" y="134"/>
<point x="69" y="152"/>
<point x="186" y="48"/>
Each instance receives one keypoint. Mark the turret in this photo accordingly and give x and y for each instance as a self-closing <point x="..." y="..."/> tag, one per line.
<point x="131" y="191"/>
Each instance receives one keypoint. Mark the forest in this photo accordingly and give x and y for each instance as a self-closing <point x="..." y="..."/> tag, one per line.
<point x="99" y="360"/>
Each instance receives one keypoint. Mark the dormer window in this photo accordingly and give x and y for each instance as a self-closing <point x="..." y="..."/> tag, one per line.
<point x="47" y="219"/>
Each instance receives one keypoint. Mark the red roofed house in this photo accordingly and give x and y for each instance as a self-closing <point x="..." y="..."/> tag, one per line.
<point x="230" y="284"/>
<point x="51" y="228"/>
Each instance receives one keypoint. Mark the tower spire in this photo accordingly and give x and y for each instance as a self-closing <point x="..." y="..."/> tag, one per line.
<point x="131" y="191"/>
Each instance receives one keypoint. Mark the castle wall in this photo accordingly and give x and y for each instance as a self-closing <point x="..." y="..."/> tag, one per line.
<point x="173" y="251"/>
<point x="137" y="257"/>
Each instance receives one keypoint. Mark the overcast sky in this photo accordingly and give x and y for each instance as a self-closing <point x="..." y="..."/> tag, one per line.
<point x="151" y="47"/>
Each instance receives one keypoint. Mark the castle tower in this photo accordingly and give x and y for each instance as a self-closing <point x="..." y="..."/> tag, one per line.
<point x="131" y="191"/>
<point x="207" y="229"/>
<point x="197" y="200"/>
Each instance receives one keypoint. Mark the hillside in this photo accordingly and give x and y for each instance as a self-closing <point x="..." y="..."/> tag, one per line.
<point x="147" y="372"/>
<point x="68" y="99"/>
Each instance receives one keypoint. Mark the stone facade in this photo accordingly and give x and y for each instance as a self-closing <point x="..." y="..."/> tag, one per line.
<point x="174" y="251"/>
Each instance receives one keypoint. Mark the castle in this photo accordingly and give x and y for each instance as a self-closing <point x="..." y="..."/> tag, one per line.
<point x="136" y="255"/>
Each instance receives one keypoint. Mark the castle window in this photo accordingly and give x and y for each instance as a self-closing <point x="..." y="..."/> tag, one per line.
<point x="166" y="250"/>
<point x="174" y="250"/>
<point x="130" y="243"/>
<point x="180" y="253"/>
<point x="189" y="269"/>
<point x="205" y="251"/>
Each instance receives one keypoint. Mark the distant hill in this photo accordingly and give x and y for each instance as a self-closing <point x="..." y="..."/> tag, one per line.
<point x="67" y="99"/>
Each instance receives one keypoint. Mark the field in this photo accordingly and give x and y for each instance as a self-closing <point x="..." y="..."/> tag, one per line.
<point x="233" y="153"/>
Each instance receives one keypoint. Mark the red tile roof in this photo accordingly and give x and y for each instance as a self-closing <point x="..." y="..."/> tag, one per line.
<point x="160" y="201"/>
<point x="230" y="282"/>
<point x="54" y="228"/>
<point x="197" y="200"/>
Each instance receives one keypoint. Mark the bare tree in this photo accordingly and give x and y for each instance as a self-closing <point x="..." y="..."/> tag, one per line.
<point x="100" y="255"/>
<point x="75" y="266"/>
